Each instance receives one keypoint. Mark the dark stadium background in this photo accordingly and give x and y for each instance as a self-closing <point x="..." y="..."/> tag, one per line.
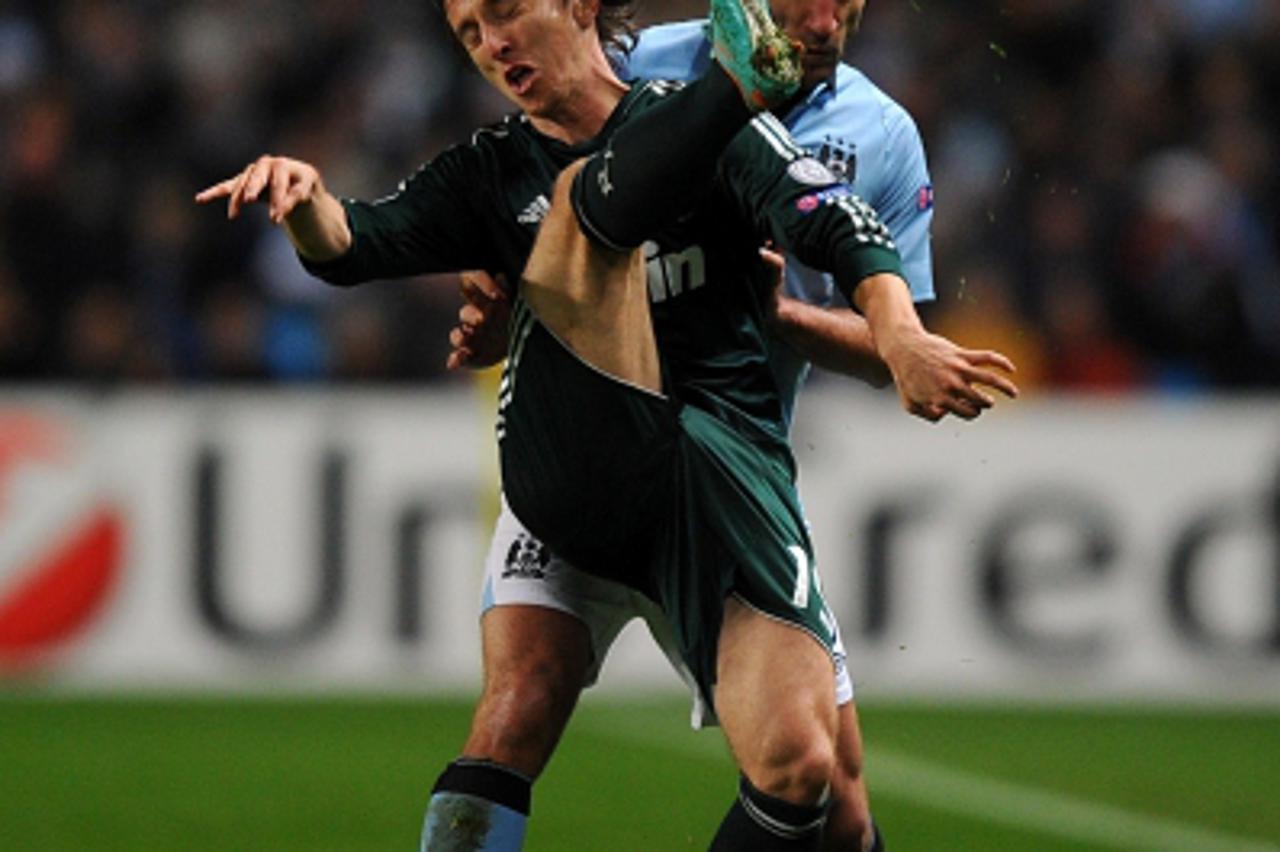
<point x="1105" y="178"/>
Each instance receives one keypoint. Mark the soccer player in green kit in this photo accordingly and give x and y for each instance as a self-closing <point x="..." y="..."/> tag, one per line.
<point x="845" y="121"/>
<point x="678" y="460"/>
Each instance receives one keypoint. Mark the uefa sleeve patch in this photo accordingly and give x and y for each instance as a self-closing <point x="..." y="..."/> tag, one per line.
<point x="811" y="202"/>
<point x="924" y="198"/>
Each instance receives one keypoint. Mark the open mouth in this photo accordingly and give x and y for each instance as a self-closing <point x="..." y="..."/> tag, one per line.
<point x="519" y="78"/>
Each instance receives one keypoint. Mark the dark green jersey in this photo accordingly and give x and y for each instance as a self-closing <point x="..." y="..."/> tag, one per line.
<point x="478" y="206"/>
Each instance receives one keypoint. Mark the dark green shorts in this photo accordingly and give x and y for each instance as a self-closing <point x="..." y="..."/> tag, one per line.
<point x="635" y="487"/>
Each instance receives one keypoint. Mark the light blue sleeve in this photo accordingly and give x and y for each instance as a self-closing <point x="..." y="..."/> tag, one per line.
<point x="677" y="51"/>
<point x="905" y="204"/>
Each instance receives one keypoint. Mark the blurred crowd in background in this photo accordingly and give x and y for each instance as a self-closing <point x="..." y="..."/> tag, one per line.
<point x="1105" y="179"/>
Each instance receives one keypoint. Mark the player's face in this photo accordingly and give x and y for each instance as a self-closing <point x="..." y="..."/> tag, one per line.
<point x="530" y="50"/>
<point x="822" y="27"/>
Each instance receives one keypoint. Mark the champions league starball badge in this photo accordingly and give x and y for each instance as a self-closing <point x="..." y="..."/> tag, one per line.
<point x="810" y="172"/>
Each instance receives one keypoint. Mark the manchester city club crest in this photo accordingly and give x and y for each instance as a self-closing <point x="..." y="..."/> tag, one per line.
<point x="527" y="558"/>
<point x="840" y="156"/>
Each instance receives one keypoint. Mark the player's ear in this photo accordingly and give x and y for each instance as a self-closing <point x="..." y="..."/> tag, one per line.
<point x="585" y="12"/>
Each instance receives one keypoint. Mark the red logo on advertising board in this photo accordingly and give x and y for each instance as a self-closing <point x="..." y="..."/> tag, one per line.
<point x="61" y="543"/>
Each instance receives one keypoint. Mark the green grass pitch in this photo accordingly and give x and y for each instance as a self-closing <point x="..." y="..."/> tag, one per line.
<point x="354" y="774"/>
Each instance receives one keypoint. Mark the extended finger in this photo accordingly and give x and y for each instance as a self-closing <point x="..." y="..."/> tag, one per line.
<point x="294" y="195"/>
<point x="470" y="288"/>
<point x="773" y="258"/>
<point x="925" y="411"/>
<point x="989" y="358"/>
<point x="970" y="391"/>
<point x="236" y="198"/>
<point x="478" y="284"/>
<point x="258" y="175"/>
<point x="218" y="190"/>
<point x="992" y="379"/>
<point x="964" y="408"/>
<point x="457" y="359"/>
<point x="280" y="205"/>
<point x="500" y="285"/>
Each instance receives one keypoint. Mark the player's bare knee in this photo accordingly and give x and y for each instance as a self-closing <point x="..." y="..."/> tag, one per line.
<point x="561" y="223"/>
<point x="562" y="189"/>
<point x="568" y="273"/>
<point x="796" y="769"/>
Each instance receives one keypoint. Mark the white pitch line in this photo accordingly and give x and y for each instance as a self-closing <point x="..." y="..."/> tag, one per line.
<point x="979" y="796"/>
<point x="971" y="795"/>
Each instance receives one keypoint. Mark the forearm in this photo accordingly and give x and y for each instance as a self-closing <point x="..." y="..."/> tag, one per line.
<point x="885" y="301"/>
<point x="836" y="339"/>
<point x="318" y="229"/>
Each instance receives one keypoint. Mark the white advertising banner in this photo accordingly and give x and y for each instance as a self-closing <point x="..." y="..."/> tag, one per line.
<point x="1053" y="547"/>
<point x="334" y="541"/>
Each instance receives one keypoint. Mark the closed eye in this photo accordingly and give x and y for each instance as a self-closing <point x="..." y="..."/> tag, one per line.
<point x="469" y="35"/>
<point x="503" y="10"/>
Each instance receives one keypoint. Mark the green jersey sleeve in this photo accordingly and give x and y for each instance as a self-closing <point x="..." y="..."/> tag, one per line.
<point x="796" y="202"/>
<point x="429" y="224"/>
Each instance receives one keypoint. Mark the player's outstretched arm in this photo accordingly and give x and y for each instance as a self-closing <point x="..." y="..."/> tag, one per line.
<point x="296" y="199"/>
<point x="934" y="376"/>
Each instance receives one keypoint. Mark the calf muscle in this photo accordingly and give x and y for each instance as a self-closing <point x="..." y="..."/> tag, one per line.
<point x="535" y="664"/>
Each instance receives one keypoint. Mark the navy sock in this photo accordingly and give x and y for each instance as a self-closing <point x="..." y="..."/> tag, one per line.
<point x="658" y="165"/>
<point x="477" y="806"/>
<point x="877" y="843"/>
<point x="761" y="823"/>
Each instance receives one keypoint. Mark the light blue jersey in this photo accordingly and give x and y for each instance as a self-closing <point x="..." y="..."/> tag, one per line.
<point x="860" y="133"/>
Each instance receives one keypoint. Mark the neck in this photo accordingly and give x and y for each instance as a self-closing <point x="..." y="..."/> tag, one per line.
<point x="582" y="113"/>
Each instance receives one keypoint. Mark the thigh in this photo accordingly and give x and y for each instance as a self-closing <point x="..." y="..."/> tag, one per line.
<point x="594" y="299"/>
<point x="774" y="690"/>
<point x="702" y="712"/>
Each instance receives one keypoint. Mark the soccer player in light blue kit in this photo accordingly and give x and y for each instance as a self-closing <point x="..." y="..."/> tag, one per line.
<point x="871" y="142"/>
<point x="850" y="125"/>
<point x="532" y="680"/>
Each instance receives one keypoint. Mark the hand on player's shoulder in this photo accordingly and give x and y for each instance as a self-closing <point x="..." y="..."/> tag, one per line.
<point x="479" y="339"/>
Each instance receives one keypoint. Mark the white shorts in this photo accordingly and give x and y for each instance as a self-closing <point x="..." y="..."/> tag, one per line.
<point x="522" y="570"/>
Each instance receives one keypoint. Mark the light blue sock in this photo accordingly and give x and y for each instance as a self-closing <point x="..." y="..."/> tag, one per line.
<point x="459" y="822"/>
<point x="477" y="806"/>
